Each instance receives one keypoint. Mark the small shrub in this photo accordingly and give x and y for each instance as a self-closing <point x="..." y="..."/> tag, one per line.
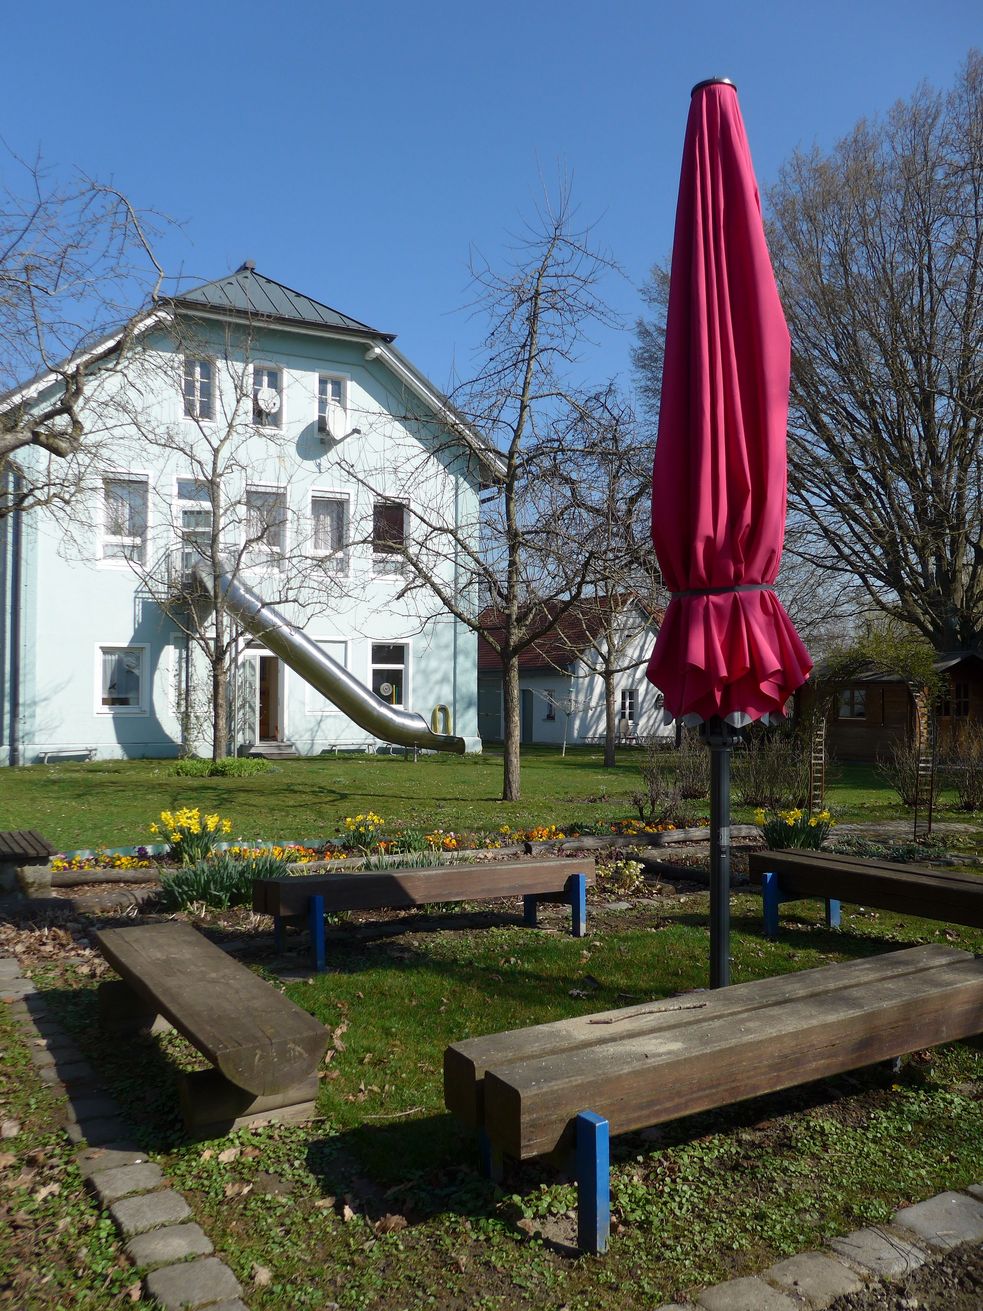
<point x="659" y="800"/>
<point x="794" y="828"/>
<point x="221" y="882"/>
<point x="402" y="839"/>
<point x="692" y="762"/>
<point x="899" y="770"/>
<point x="625" y="877"/>
<point x="228" y="767"/>
<point x="771" y="769"/>
<point x="191" y="835"/>
<point x="963" y="767"/>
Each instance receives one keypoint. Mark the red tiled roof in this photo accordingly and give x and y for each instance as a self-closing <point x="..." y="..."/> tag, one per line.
<point x="560" y="645"/>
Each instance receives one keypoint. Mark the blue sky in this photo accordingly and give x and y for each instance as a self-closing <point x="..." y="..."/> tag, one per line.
<point x="357" y="152"/>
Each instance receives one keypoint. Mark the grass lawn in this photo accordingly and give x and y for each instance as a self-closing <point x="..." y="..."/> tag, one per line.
<point x="378" y="1203"/>
<point x="81" y="806"/>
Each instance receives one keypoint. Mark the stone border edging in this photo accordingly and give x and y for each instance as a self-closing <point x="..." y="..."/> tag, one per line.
<point x="153" y="1220"/>
<point x="915" y="1236"/>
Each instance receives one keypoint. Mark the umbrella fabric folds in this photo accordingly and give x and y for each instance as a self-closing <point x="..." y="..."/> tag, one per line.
<point x="727" y="653"/>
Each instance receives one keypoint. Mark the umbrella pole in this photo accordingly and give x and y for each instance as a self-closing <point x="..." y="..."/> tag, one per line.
<point x="719" y="737"/>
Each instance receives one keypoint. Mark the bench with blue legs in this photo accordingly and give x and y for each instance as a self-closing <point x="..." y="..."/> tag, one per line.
<point x="563" y="1088"/>
<point x="934" y="894"/>
<point x="308" y="898"/>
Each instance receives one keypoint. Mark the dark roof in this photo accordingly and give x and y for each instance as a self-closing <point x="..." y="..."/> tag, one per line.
<point x="250" y="293"/>
<point x="561" y="644"/>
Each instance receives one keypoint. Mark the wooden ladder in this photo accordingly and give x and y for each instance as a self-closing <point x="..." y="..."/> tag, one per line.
<point x="925" y="744"/>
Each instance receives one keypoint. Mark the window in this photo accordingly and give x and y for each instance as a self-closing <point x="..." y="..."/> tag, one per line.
<point x="329" y="516"/>
<point x="314" y="702"/>
<point x="852" y="703"/>
<point x="955" y="700"/>
<point x="331" y="407"/>
<point x="124" y="523"/>
<point x="389" y="672"/>
<point x="550" y="695"/>
<point x="195" y="522"/>
<point x="629" y="701"/>
<point x="267" y="396"/>
<point x="198" y="396"/>
<point x="266" y="521"/>
<point x="122" y="679"/>
<point x="388" y="536"/>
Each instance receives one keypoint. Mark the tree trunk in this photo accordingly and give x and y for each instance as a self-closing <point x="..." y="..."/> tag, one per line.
<point x="610" y="726"/>
<point x="220" y="711"/>
<point x="511" y="729"/>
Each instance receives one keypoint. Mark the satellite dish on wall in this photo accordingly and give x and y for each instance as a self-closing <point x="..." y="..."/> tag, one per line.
<point x="268" y="400"/>
<point x="334" y="422"/>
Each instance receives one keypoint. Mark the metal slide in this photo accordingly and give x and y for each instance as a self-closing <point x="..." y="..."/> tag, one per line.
<point x="404" y="728"/>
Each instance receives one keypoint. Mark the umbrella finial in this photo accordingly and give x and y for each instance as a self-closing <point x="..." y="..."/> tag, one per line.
<point x="713" y="81"/>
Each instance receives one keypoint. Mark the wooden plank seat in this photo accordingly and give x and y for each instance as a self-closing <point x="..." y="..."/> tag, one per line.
<point x="24" y="846"/>
<point x="312" y="896"/>
<point x="264" y="1048"/>
<point x="571" y="1083"/>
<point x="935" y="894"/>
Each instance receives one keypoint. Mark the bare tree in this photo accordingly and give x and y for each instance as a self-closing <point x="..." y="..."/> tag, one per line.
<point x="511" y="571"/>
<point x="878" y="250"/>
<point x="608" y="470"/>
<point x="76" y="260"/>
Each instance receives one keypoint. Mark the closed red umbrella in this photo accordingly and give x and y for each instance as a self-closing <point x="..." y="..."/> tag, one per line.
<point x="727" y="653"/>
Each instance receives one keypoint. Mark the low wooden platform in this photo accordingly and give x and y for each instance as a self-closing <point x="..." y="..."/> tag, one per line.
<point x="314" y="895"/>
<point x="525" y="1091"/>
<point x="935" y="894"/>
<point x="264" y="1048"/>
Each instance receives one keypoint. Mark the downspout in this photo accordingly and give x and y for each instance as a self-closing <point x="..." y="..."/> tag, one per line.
<point x="16" y="602"/>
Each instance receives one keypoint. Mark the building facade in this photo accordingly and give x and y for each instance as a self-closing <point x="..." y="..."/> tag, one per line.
<point x="250" y="419"/>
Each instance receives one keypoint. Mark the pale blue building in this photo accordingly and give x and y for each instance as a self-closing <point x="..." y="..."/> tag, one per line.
<point x="332" y="453"/>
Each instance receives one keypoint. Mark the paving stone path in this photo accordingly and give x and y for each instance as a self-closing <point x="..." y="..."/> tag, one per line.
<point x="155" y="1222"/>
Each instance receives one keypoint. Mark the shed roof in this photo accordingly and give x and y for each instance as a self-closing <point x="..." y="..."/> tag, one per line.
<point x="574" y="631"/>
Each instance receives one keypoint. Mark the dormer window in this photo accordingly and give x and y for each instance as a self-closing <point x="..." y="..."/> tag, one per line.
<point x="199" y="400"/>
<point x="267" y="396"/>
<point x="332" y="407"/>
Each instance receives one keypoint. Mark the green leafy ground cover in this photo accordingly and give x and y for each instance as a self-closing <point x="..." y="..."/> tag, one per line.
<point x="378" y="1203"/>
<point x="111" y="803"/>
<point x="58" y="1249"/>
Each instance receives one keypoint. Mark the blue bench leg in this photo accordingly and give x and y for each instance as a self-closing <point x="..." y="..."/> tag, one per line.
<point x="577" y="888"/>
<point x="770" y="899"/>
<point x="279" y="936"/>
<point x="593" y="1153"/>
<point x="315" y="923"/>
<point x="490" y="1158"/>
<point x="529" y="908"/>
<point x="832" y="913"/>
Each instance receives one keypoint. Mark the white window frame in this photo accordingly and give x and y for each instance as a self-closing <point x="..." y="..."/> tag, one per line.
<point x="277" y="419"/>
<point x="310" y="691"/>
<point x="345" y="554"/>
<point x="121" y="561"/>
<point x="180" y="504"/>
<point x="260" y="553"/>
<point x="407" y="668"/>
<point x="629" y="705"/>
<point x="322" y="409"/>
<point x="197" y="360"/>
<point x="382" y="559"/>
<point x="143" y="708"/>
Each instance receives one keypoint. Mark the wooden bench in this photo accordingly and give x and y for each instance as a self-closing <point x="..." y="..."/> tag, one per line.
<point x="265" y="1049"/>
<point x="571" y="1083"/>
<point x="19" y="850"/>
<point x="313" y="896"/>
<point x="907" y="889"/>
